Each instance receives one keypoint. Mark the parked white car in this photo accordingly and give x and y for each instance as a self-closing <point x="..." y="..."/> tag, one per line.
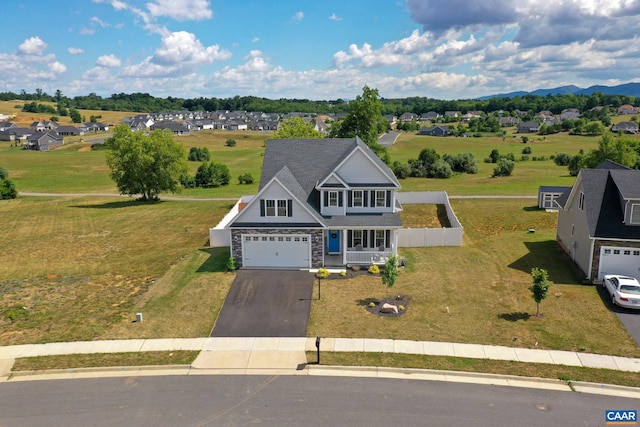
<point x="624" y="291"/>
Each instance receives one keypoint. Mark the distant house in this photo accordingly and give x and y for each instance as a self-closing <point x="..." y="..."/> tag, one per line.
<point x="44" y="141"/>
<point x="570" y="114"/>
<point x="7" y="125"/>
<point x="93" y="127"/>
<point x="627" y="109"/>
<point x="15" y="134"/>
<point x="175" y="127"/>
<point x="391" y="119"/>
<point x="43" y="125"/>
<point x="547" y="196"/>
<point x="69" y="131"/>
<point x="236" y="125"/>
<point x="452" y="113"/>
<point x="408" y="117"/>
<point x="625" y="127"/>
<point x="599" y="221"/>
<point x="429" y="116"/>
<point x="434" y="131"/>
<point x="528" y="127"/>
<point x="508" y="121"/>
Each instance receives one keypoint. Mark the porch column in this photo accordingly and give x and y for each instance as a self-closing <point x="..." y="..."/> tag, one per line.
<point x="344" y="246"/>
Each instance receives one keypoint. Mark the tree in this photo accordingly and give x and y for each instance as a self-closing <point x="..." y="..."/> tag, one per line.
<point x="295" y="127"/>
<point x="75" y="115"/>
<point x="504" y="167"/>
<point x="618" y="149"/>
<point x="390" y="273"/>
<point x="364" y="120"/>
<point x="212" y="174"/>
<point x="494" y="156"/>
<point x="197" y="154"/>
<point x="145" y="165"/>
<point x="540" y="286"/>
<point x="230" y="142"/>
<point x="7" y="187"/>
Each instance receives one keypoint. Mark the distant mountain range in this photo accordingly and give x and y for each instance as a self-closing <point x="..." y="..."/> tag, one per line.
<point x="631" y="89"/>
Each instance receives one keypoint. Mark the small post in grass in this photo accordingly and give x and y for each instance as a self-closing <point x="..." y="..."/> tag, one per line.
<point x="322" y="273"/>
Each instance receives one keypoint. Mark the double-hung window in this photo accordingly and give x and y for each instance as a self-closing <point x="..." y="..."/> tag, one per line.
<point x="381" y="198"/>
<point x="358" y="198"/>
<point x="380" y="238"/>
<point x="270" y="207"/>
<point x="275" y="207"/>
<point x="333" y="198"/>
<point x="282" y="208"/>
<point x="356" y="240"/>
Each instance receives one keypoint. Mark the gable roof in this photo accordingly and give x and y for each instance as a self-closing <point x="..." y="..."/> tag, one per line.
<point x="603" y="188"/>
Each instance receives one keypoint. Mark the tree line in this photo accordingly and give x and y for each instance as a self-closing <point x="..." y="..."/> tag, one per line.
<point x="146" y="103"/>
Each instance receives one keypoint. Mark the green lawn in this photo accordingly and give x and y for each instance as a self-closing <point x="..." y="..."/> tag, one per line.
<point x="78" y="268"/>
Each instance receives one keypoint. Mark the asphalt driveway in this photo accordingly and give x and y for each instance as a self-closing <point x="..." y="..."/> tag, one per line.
<point x="266" y="303"/>
<point x="630" y="319"/>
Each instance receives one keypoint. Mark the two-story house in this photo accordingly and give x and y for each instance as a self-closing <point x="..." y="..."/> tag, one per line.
<point x="599" y="221"/>
<point x="321" y="202"/>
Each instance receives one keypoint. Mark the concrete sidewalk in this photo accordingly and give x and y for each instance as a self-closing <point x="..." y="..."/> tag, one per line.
<point x="288" y="353"/>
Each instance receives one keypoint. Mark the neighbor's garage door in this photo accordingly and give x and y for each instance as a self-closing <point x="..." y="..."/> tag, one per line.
<point x="286" y="251"/>
<point x="623" y="261"/>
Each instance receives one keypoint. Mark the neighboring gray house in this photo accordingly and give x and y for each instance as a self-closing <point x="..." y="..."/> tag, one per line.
<point x="599" y="221"/>
<point x="321" y="202"/>
<point x="547" y="196"/>
<point x="7" y="125"/>
<point x="429" y="116"/>
<point x="627" y="109"/>
<point x="69" y="131"/>
<point x="508" y="121"/>
<point x="175" y="127"/>
<point x="43" y="141"/>
<point x="625" y="127"/>
<point x="528" y="127"/>
<point x="435" y="131"/>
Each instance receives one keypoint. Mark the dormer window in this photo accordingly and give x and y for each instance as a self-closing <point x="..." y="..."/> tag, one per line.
<point x="276" y="207"/>
<point x="333" y="199"/>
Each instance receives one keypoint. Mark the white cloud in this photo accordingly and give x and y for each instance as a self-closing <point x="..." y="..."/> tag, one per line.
<point x="255" y="39"/>
<point x="299" y="16"/>
<point x="32" y="46"/>
<point x="74" y="50"/>
<point x="109" y="61"/>
<point x="98" y="21"/>
<point x="183" y="48"/>
<point x="87" y="31"/>
<point x="57" y="67"/>
<point x="181" y="10"/>
<point x="335" y="17"/>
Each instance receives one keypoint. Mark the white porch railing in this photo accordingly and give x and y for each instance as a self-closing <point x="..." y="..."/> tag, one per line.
<point x="368" y="258"/>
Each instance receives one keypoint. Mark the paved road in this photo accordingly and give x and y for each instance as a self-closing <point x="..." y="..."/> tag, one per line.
<point x="293" y="401"/>
<point x="388" y="139"/>
<point x="266" y="303"/>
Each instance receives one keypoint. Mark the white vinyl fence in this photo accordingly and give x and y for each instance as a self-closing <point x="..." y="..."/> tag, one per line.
<point x="421" y="237"/>
<point x="221" y="236"/>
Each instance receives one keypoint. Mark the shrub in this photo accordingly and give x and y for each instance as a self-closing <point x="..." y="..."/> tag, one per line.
<point x="232" y="264"/>
<point x="374" y="269"/>
<point x="494" y="155"/>
<point x="504" y="167"/>
<point x="230" y="143"/>
<point x="247" y="178"/>
<point x="526" y="150"/>
<point x="4" y="173"/>
<point x="7" y="189"/>
<point x="441" y="169"/>
<point x="212" y="174"/>
<point x="401" y="170"/>
<point x="322" y="273"/>
<point x="372" y="304"/>
<point x="197" y="154"/>
<point x="188" y="181"/>
<point x="343" y="273"/>
<point x="401" y="307"/>
<point x="524" y="158"/>
<point x="562" y="159"/>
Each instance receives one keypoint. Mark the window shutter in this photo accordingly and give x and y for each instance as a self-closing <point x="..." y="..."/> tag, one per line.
<point x="387" y="239"/>
<point x="289" y="207"/>
<point x="372" y="233"/>
<point x="388" y="198"/>
<point x="365" y="243"/>
<point x="365" y="198"/>
<point x="340" y="197"/>
<point x="372" y="194"/>
<point x="350" y="198"/>
<point x="349" y="238"/>
<point x="261" y="207"/>
<point x="325" y="196"/>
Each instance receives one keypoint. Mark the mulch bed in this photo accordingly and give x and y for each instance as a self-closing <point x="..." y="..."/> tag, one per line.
<point x="395" y="300"/>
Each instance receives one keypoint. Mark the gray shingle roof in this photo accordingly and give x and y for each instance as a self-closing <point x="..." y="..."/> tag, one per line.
<point x="300" y="164"/>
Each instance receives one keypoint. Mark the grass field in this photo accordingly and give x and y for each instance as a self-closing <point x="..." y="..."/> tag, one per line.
<point x="79" y="268"/>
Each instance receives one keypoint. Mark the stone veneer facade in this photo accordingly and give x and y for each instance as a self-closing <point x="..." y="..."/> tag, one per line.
<point x="316" y="236"/>
<point x="595" y="265"/>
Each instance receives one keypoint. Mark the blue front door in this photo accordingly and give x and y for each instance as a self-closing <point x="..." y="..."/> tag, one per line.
<point x="334" y="241"/>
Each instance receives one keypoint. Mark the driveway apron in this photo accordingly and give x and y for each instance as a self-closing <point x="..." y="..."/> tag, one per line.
<point x="266" y="303"/>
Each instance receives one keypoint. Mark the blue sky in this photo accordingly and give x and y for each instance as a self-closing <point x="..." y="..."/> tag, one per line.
<point x="444" y="49"/>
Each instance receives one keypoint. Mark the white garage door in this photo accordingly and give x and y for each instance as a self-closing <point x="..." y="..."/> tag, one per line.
<point x="623" y="261"/>
<point x="268" y="250"/>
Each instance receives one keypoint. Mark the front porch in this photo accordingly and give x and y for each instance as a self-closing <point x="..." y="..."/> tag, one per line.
<point x="359" y="247"/>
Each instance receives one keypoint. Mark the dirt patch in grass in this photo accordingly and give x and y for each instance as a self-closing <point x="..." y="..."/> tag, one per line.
<point x="424" y="216"/>
<point x="385" y="306"/>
